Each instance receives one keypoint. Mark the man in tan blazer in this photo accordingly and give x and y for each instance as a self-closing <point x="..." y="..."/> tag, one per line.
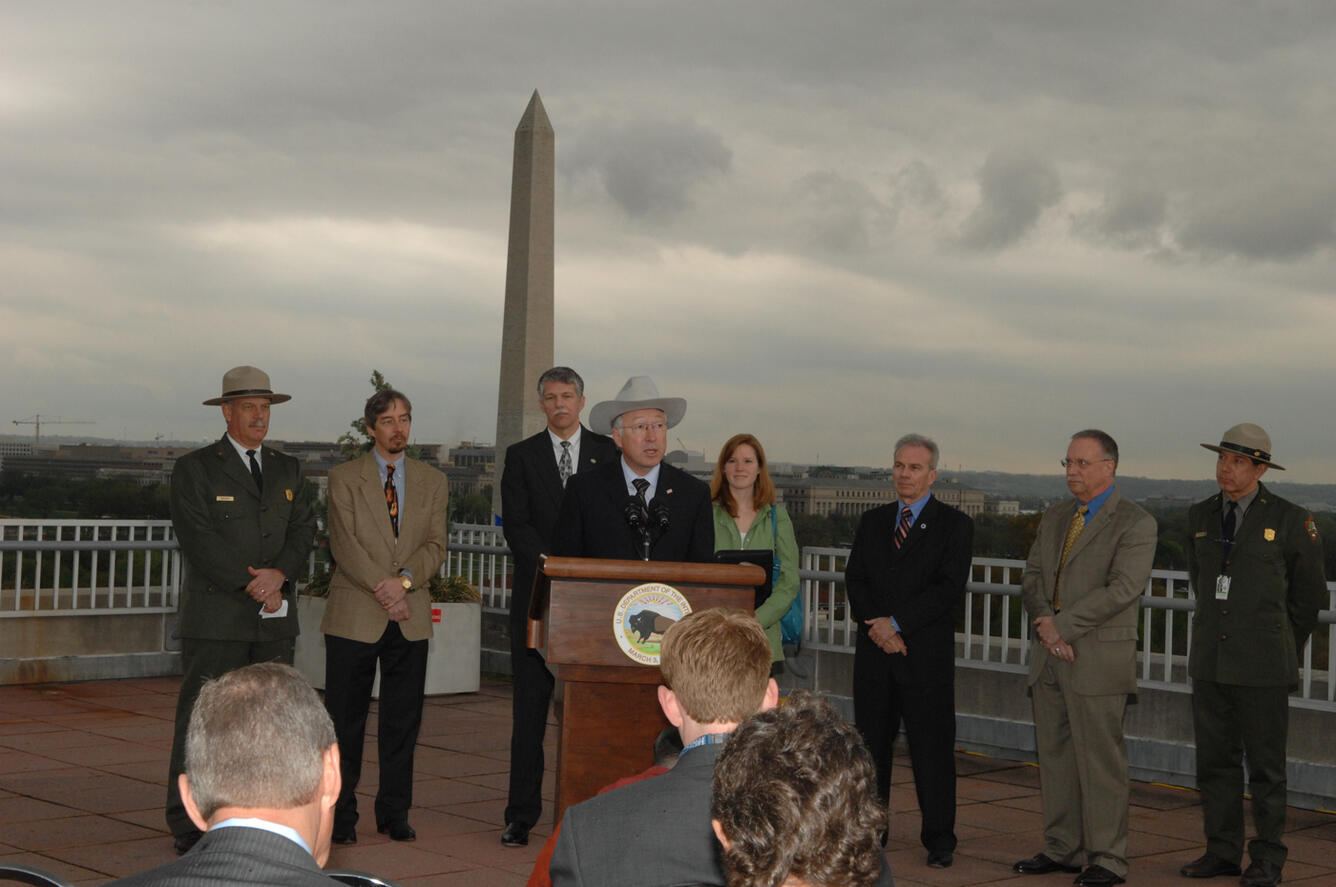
<point x="1088" y="566"/>
<point x="387" y="537"/>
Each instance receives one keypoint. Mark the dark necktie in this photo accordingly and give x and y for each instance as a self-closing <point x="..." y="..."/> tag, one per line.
<point x="902" y="529"/>
<point x="564" y="464"/>
<point x="255" y="470"/>
<point x="641" y="486"/>
<point x="1229" y="527"/>
<point x="392" y="498"/>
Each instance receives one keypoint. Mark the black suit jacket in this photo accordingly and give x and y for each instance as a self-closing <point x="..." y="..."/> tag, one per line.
<point x="530" y="498"/>
<point x="236" y="857"/>
<point x="921" y="584"/>
<point x="592" y="519"/>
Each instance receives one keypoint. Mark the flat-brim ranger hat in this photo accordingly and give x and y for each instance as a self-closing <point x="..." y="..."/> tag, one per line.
<point x="1248" y="440"/>
<point x="246" y="381"/>
<point x="639" y="393"/>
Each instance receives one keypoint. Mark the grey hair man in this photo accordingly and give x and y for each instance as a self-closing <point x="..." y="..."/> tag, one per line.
<point x="533" y="480"/>
<point x="266" y="818"/>
<point x="906" y="580"/>
<point x="636" y="507"/>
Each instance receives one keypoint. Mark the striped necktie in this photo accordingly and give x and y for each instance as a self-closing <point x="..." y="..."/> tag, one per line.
<point x="902" y="529"/>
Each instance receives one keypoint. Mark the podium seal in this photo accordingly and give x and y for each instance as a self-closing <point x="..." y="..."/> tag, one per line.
<point x="641" y="617"/>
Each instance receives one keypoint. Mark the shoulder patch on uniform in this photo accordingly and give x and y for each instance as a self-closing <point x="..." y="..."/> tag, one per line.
<point x="1311" y="526"/>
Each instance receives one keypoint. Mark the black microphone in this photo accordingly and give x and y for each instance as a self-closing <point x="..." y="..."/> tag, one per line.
<point x="658" y="515"/>
<point x="638" y="520"/>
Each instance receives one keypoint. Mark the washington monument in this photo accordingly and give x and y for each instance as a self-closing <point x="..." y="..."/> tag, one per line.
<point x="526" y="330"/>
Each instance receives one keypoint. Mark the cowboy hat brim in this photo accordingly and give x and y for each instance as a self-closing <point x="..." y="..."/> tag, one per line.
<point x="601" y="416"/>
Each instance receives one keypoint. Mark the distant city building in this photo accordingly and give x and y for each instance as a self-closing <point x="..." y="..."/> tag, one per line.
<point x="850" y="497"/>
<point x="1007" y="507"/>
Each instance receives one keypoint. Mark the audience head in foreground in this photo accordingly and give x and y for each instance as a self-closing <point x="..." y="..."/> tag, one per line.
<point x="261" y="746"/>
<point x="656" y="833"/>
<point x="716" y="672"/>
<point x="795" y="800"/>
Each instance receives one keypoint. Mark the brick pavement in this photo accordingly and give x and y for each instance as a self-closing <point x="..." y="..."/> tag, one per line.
<point x="82" y="768"/>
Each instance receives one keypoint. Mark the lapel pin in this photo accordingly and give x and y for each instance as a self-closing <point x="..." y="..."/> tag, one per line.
<point x="668" y="492"/>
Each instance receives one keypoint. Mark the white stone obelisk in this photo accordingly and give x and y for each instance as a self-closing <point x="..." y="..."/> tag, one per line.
<point x="526" y="329"/>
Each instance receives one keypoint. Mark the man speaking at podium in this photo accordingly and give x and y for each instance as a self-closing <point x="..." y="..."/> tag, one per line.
<point x="636" y="508"/>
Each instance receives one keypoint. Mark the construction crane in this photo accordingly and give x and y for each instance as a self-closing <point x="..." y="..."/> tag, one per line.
<point x="38" y="421"/>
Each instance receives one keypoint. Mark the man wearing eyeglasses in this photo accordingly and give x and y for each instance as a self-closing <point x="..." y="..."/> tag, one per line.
<point x="1088" y="566"/>
<point x="636" y="507"/>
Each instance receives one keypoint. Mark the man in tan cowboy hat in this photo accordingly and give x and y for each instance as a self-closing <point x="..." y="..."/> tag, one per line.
<point x="635" y="507"/>
<point x="244" y="521"/>
<point x="1256" y="567"/>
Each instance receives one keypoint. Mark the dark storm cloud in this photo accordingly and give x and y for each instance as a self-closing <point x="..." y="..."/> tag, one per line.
<point x="1266" y="222"/>
<point x="1015" y="186"/>
<point x="835" y="213"/>
<point x="648" y="166"/>
<point x="1132" y="216"/>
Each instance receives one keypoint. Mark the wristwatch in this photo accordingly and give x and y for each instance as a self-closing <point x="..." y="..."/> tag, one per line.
<point x="406" y="582"/>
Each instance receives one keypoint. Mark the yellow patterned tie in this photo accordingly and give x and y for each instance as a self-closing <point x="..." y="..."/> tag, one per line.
<point x="1073" y="533"/>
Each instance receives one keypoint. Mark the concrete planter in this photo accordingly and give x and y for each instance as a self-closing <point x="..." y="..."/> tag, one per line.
<point x="453" y="653"/>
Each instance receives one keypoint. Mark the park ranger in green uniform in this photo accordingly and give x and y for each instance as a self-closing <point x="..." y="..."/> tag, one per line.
<point x="1256" y="567"/>
<point x="245" y="523"/>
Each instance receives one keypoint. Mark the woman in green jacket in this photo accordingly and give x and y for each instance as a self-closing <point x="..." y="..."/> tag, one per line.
<point x="746" y="516"/>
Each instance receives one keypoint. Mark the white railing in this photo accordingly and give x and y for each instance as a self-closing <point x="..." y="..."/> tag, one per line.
<point x="995" y="632"/>
<point x="58" y="567"/>
<point x="478" y="552"/>
<point x="72" y="567"/>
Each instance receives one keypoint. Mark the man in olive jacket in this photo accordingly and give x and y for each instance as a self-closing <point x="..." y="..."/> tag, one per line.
<point x="1256" y="567"/>
<point x="244" y="521"/>
<point x="1089" y="564"/>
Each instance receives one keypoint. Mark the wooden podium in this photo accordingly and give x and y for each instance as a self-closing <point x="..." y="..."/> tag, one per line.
<point x="608" y="711"/>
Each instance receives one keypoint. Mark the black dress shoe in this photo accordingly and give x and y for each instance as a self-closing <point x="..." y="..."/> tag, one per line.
<point x="1039" y="864"/>
<point x="1098" y="876"/>
<point x="185" y="841"/>
<point x="515" y="835"/>
<point x="399" y="830"/>
<point x="940" y="859"/>
<point x="1261" y="873"/>
<point x="344" y="834"/>
<point x="1208" y="865"/>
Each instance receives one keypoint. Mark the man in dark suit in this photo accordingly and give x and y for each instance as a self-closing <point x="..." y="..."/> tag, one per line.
<point x="1089" y="565"/>
<point x="532" y="482"/>
<point x="1256" y="568"/>
<point x="657" y="833"/>
<point x="243" y="518"/>
<point x="635" y="507"/>
<point x="266" y="818"/>
<point x="387" y="537"/>
<point x="905" y="580"/>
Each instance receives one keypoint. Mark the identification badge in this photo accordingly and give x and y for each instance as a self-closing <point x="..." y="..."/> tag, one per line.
<point x="1222" y="588"/>
<point x="1269" y="534"/>
<point x="288" y="493"/>
<point x="223" y="499"/>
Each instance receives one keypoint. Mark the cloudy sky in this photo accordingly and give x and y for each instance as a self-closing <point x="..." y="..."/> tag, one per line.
<point x="825" y="223"/>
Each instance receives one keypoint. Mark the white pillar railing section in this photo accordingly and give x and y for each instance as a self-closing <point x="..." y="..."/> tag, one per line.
<point x="73" y="567"/>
